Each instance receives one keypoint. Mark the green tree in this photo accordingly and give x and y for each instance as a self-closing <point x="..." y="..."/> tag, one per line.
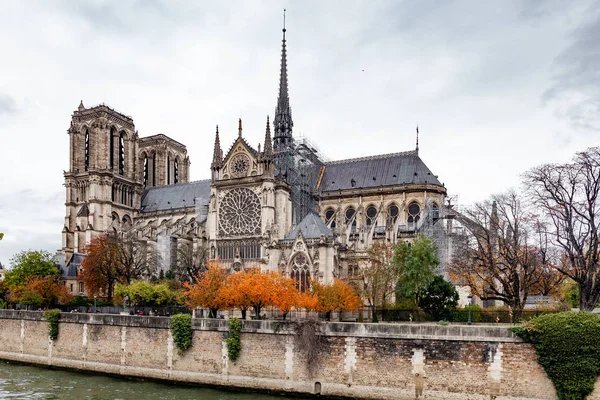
<point x="439" y="299"/>
<point x="29" y="264"/>
<point x="415" y="263"/>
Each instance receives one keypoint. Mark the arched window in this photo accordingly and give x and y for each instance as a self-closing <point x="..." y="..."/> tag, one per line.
<point x="435" y="211"/>
<point x="330" y="217"/>
<point x="176" y="171"/>
<point x="300" y="272"/>
<point x="122" y="153"/>
<point x="414" y="213"/>
<point x="87" y="149"/>
<point x="145" y="170"/>
<point x="168" y="170"/>
<point x="350" y="217"/>
<point x="392" y="215"/>
<point x="371" y="216"/>
<point x="154" y="169"/>
<point x="111" y="146"/>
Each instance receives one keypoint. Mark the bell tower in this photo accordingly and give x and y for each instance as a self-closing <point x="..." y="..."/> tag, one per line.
<point x="103" y="190"/>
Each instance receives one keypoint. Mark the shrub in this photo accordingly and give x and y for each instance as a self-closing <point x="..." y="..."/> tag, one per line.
<point x="462" y="314"/>
<point x="568" y="349"/>
<point x="234" y="344"/>
<point x="52" y="316"/>
<point x="181" y="329"/>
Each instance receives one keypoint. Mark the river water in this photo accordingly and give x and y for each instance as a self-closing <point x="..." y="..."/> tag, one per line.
<point x="28" y="382"/>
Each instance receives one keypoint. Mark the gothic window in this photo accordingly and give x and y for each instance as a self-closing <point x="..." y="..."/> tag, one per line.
<point x="414" y="213"/>
<point x="371" y="216"/>
<point x="350" y="217"/>
<point x="122" y="153"/>
<point x="154" y="169"/>
<point x="239" y="166"/>
<point x="392" y="216"/>
<point x="168" y="170"/>
<point x="247" y="249"/>
<point x="435" y="211"/>
<point x="176" y="171"/>
<point x="300" y="272"/>
<point x="239" y="213"/>
<point x="111" y="147"/>
<point x="330" y="217"/>
<point x="145" y="170"/>
<point x="87" y="149"/>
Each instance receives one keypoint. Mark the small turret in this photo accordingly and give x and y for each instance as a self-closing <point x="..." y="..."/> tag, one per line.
<point x="217" y="161"/>
<point x="81" y="106"/>
<point x="268" y="153"/>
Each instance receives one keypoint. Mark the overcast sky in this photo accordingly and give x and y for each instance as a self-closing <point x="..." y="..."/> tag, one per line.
<point x="495" y="87"/>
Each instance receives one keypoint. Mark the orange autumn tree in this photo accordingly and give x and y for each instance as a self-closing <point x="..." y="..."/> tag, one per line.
<point x="207" y="289"/>
<point x="233" y="293"/>
<point x="258" y="289"/>
<point x="48" y="289"/>
<point x="100" y="267"/>
<point x="336" y="296"/>
<point x="286" y="294"/>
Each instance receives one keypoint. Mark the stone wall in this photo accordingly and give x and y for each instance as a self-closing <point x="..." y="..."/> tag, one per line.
<point x="375" y="361"/>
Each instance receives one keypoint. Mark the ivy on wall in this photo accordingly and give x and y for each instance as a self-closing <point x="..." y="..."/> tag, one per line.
<point x="181" y="330"/>
<point x="234" y="344"/>
<point x="52" y="316"/>
<point x="568" y="347"/>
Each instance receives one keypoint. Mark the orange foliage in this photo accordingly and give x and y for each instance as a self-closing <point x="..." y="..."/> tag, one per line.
<point x="206" y="291"/>
<point x="99" y="268"/>
<point x="335" y="296"/>
<point x="286" y="293"/>
<point x="50" y="289"/>
<point x="308" y="301"/>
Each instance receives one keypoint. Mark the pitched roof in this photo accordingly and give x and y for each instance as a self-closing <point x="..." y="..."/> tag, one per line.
<point x="375" y="171"/>
<point x="180" y="195"/>
<point x="312" y="227"/>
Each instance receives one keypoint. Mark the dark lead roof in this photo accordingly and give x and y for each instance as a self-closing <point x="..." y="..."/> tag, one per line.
<point x="382" y="170"/>
<point x="181" y="195"/>
<point x="312" y="227"/>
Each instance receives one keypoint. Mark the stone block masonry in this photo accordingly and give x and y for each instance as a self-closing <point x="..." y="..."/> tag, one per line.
<point x="367" y="361"/>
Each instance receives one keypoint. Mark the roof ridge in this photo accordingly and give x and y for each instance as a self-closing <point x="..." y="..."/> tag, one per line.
<point x="179" y="183"/>
<point x="375" y="157"/>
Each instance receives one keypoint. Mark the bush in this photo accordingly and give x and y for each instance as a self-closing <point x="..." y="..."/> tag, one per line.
<point x="462" y="314"/>
<point x="568" y="348"/>
<point x="181" y="329"/>
<point x="52" y="316"/>
<point x="234" y="344"/>
<point x="439" y="299"/>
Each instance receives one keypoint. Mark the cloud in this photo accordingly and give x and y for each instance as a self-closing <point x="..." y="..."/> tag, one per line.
<point x="574" y="92"/>
<point x="7" y="104"/>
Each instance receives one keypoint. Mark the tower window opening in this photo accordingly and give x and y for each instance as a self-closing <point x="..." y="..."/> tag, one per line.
<point x="154" y="169"/>
<point x="121" y="154"/>
<point x="111" y="146"/>
<point x="145" y="171"/>
<point x="168" y="170"/>
<point x="175" y="171"/>
<point x="87" y="150"/>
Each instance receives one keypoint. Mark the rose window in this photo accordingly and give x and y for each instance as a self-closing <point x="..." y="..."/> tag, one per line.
<point x="240" y="165"/>
<point x="239" y="213"/>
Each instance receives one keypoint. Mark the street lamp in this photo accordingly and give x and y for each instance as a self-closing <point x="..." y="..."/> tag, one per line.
<point x="470" y="297"/>
<point x="96" y="296"/>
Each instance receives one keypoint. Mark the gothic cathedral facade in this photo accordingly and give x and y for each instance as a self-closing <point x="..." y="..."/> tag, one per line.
<point x="282" y="207"/>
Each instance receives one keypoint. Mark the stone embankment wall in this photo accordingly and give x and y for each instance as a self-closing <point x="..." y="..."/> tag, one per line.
<point x="370" y="361"/>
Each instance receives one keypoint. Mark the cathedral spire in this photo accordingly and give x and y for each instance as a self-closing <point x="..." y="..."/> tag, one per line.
<point x="282" y="122"/>
<point x="240" y="128"/>
<point x="217" y="153"/>
<point x="268" y="153"/>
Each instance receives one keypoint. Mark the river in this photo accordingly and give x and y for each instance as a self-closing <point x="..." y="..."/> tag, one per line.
<point x="28" y="382"/>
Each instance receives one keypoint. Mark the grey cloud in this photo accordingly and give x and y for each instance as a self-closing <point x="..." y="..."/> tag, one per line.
<point x="7" y="105"/>
<point x="575" y="88"/>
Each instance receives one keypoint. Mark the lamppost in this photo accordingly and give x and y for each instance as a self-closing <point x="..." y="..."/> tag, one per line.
<point x="96" y="296"/>
<point x="470" y="297"/>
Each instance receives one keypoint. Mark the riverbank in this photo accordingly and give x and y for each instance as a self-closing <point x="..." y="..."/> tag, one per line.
<point x="370" y="361"/>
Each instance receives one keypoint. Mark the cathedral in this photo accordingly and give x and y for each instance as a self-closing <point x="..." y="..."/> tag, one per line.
<point x="281" y="206"/>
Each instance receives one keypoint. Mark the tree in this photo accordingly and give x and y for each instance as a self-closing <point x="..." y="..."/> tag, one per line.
<point x="439" y="299"/>
<point x="233" y="293"/>
<point x="100" y="267"/>
<point x="336" y="296"/>
<point x="498" y="260"/>
<point x="415" y="263"/>
<point x="191" y="261"/>
<point x="206" y="291"/>
<point x="286" y="294"/>
<point x="379" y="278"/>
<point x="29" y="264"/>
<point x="134" y="260"/>
<point x="144" y="293"/>
<point x="49" y="290"/>
<point x="567" y="194"/>
<point x="259" y="289"/>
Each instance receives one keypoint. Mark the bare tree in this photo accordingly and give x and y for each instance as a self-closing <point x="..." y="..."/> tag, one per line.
<point x="135" y="259"/>
<point x="568" y="196"/>
<point x="190" y="261"/>
<point x="497" y="259"/>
